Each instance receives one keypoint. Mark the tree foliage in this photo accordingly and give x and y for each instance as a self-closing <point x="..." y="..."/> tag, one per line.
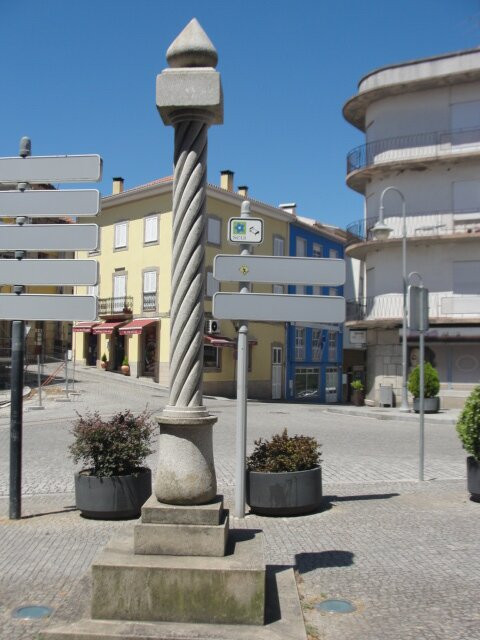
<point x="468" y="424"/>
<point x="432" y="382"/>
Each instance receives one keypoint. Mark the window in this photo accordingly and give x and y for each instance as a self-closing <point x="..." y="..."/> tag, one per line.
<point x="317" y="290"/>
<point x="299" y="343"/>
<point x="150" y="229"/>
<point x="278" y="288"/>
<point x="466" y="277"/>
<point x="120" y="235"/>
<point x="332" y="291"/>
<point x="211" y="357"/>
<point x="316" y="344"/>
<point x="332" y="346"/>
<point x="212" y="285"/>
<point x="214" y="227"/>
<point x="119" y="292"/>
<point x="333" y="253"/>
<point x="149" y="290"/>
<point x="278" y="246"/>
<point x="92" y="290"/>
<point x="300" y="247"/>
<point x="317" y="251"/>
<point x="300" y="289"/>
<point x="307" y="383"/>
<point x="97" y="249"/>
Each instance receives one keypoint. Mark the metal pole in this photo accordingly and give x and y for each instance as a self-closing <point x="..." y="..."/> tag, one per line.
<point x="422" y="408"/>
<point x="16" y="410"/>
<point x="404" y="405"/>
<point x="66" y="373"/>
<point x="242" y="393"/>
<point x="73" y="381"/>
<point x="39" y="381"/>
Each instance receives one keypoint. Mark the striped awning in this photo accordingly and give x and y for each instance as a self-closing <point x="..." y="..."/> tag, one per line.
<point x="106" y="327"/>
<point x="136" y="326"/>
<point x="219" y="341"/>
<point x="84" y="327"/>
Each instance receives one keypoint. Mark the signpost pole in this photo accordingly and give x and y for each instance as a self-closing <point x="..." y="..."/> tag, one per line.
<point x="242" y="393"/>
<point x="16" y="384"/>
<point x="422" y="408"/>
<point x="39" y="382"/>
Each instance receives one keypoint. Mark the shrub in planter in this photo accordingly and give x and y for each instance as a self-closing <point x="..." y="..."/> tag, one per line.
<point x="113" y="484"/>
<point x="431" y="388"/>
<point x="125" y="368"/>
<point x="284" y="475"/>
<point x="104" y="361"/>
<point x="358" y="397"/>
<point x="468" y="429"/>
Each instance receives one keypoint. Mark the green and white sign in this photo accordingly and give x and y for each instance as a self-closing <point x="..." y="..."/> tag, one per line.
<point x="245" y="230"/>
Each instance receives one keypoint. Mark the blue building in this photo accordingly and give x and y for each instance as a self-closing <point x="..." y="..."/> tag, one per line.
<point x="314" y="351"/>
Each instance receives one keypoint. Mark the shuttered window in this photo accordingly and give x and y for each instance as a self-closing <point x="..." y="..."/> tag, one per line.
<point x="151" y="229"/>
<point x="149" y="282"/>
<point x="120" y="235"/>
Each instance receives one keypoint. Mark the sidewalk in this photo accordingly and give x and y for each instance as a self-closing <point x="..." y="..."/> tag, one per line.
<point x="445" y="416"/>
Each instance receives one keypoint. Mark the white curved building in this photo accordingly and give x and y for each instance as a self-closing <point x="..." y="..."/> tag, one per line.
<point x="421" y="121"/>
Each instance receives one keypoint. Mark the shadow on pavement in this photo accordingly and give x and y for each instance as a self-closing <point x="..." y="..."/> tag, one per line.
<point x="367" y="496"/>
<point x="66" y="509"/>
<point x="309" y="561"/>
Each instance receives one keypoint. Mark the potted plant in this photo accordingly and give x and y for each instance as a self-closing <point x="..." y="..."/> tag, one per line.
<point x="358" y="397"/>
<point x="113" y="483"/>
<point x="431" y="388"/>
<point x="104" y="361"/>
<point x="284" y="476"/>
<point x="468" y="429"/>
<point x="125" y="368"/>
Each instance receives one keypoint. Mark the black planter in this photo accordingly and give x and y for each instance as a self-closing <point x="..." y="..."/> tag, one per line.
<point x="473" y="478"/>
<point x="358" y="398"/>
<point x="430" y="405"/>
<point x="286" y="493"/>
<point x="113" y="498"/>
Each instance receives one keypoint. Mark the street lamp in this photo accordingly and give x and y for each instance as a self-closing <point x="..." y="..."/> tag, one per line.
<point x="381" y="232"/>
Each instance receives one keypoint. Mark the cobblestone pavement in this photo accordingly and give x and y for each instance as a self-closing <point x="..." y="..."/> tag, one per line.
<point x="405" y="553"/>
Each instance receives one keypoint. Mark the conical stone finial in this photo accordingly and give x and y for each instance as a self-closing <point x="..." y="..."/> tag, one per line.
<point x="192" y="48"/>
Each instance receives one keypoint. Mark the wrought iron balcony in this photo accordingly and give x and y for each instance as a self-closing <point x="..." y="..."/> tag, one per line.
<point x="150" y="301"/>
<point x="420" y="224"/>
<point x="115" y="306"/>
<point x="410" y="147"/>
<point x="389" y="307"/>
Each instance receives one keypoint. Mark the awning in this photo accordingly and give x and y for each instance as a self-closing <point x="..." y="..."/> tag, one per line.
<point x="106" y="327"/>
<point x="84" y="327"/>
<point x="136" y="326"/>
<point x="219" y="341"/>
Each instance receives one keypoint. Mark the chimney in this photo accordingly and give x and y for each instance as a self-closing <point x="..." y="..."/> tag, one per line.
<point x="117" y="186"/>
<point x="226" y="180"/>
<point x="243" y="191"/>
<point x="290" y="207"/>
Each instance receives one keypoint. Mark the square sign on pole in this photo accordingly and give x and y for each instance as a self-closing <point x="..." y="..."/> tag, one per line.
<point x="245" y="230"/>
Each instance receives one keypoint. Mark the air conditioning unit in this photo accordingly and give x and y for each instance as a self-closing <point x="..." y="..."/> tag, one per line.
<point x="212" y="326"/>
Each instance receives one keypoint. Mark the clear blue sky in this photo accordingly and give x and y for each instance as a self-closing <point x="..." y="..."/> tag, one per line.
<point x="78" y="76"/>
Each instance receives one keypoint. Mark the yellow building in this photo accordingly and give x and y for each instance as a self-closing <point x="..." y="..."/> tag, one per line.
<point x="134" y="257"/>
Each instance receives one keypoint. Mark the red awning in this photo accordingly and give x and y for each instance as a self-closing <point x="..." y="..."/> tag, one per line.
<point x="136" y="326"/>
<point x="106" y="327"/>
<point x="219" y="341"/>
<point x="84" y="327"/>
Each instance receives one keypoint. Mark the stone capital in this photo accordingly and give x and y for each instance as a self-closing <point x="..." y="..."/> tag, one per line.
<point x="189" y="91"/>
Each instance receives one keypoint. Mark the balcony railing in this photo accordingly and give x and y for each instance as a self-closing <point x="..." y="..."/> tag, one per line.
<point x="149" y="301"/>
<point x="420" y="145"/>
<point x="427" y="223"/>
<point x="390" y="307"/>
<point x="115" y="306"/>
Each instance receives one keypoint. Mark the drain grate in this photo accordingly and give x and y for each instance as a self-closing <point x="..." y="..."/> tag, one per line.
<point x="32" y="612"/>
<point x="335" y="606"/>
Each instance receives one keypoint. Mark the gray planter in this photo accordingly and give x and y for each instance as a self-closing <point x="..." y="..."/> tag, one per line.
<point x="286" y="493"/>
<point x="113" y="498"/>
<point x="431" y="405"/>
<point x="473" y="478"/>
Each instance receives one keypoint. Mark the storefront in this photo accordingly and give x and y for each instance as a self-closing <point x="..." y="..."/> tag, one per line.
<point x="90" y="342"/>
<point x="143" y="355"/>
<point x="114" y="347"/>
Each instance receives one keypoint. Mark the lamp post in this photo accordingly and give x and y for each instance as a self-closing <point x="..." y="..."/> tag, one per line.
<point x="381" y="232"/>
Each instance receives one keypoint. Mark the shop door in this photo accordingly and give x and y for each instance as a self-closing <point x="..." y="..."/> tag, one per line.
<point x="92" y="350"/>
<point x="276" y="373"/>
<point x="331" y="384"/>
<point x="119" y="351"/>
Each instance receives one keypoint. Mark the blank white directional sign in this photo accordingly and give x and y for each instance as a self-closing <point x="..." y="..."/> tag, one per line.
<point x="40" y="169"/>
<point x="48" y="237"/>
<point x="47" y="307"/>
<point x="276" y="269"/>
<point x="44" y="202"/>
<point x="271" y="307"/>
<point x="49" y="272"/>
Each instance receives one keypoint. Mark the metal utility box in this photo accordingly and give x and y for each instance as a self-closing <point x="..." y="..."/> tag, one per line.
<point x="386" y="395"/>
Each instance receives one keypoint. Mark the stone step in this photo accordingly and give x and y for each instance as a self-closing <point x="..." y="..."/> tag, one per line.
<point x="155" y="512"/>
<point x="283" y="621"/>
<point x="181" y="539"/>
<point x="228" y="589"/>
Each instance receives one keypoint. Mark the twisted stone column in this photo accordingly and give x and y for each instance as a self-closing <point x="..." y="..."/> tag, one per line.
<point x="189" y="97"/>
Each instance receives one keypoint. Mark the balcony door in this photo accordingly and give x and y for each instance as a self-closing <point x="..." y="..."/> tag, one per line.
<point x="119" y="292"/>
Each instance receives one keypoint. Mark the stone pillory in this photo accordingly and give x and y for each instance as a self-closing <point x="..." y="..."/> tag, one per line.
<point x="189" y="97"/>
